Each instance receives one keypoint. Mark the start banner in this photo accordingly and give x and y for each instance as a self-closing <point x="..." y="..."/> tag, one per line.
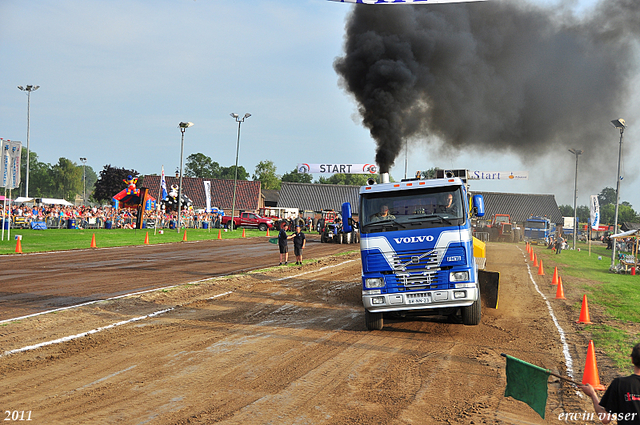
<point x="305" y="168"/>
<point x="498" y="175"/>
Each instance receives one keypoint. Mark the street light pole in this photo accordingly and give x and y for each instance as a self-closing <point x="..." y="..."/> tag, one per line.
<point x="183" y="127"/>
<point x="28" y="89"/>
<point x="84" y="181"/>
<point x="621" y="125"/>
<point x="235" y="180"/>
<point x="577" y="153"/>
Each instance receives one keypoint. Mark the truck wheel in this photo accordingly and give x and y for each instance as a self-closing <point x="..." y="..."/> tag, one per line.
<point x="471" y="315"/>
<point x="262" y="227"/>
<point x="373" y="320"/>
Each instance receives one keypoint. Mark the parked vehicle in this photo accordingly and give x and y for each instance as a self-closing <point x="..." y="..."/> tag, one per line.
<point x="248" y="219"/>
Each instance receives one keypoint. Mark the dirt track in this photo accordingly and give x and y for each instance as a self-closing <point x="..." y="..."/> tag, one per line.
<point x="284" y="346"/>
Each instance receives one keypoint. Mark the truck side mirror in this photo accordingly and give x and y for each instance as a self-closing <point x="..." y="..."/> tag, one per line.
<point x="346" y="217"/>
<point x="478" y="205"/>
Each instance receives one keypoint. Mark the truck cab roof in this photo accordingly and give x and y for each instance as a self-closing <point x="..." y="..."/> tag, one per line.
<point x="411" y="185"/>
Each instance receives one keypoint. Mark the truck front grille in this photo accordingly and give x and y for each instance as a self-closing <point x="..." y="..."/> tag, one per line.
<point x="416" y="270"/>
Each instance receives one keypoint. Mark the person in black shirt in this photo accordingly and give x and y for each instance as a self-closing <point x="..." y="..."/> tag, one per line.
<point x="621" y="401"/>
<point x="283" y="243"/>
<point x="299" y="243"/>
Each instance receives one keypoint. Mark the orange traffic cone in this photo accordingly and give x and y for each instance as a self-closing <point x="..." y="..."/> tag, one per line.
<point x="184" y="238"/>
<point x="535" y="260"/>
<point x="146" y="239"/>
<point x="540" y="269"/>
<point x="219" y="234"/>
<point x="93" y="241"/>
<point x="18" y="246"/>
<point x="554" y="281"/>
<point x="267" y="231"/>
<point x="243" y="235"/>
<point x="531" y="255"/>
<point x="584" y="312"/>
<point x="528" y="248"/>
<point x="560" y="291"/>
<point x="590" y="375"/>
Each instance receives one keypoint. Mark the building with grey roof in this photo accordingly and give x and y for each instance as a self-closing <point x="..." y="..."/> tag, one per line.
<point x="318" y="197"/>
<point x="520" y="206"/>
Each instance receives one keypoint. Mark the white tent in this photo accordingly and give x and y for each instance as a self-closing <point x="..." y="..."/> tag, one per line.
<point x="46" y="201"/>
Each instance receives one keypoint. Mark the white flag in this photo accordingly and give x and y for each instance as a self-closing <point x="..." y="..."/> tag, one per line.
<point x="595" y="212"/>
<point x="207" y="194"/>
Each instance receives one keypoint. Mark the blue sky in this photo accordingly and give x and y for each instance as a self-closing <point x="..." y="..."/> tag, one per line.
<point x="118" y="76"/>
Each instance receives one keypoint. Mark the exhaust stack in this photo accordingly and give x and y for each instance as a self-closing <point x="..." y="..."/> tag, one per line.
<point x="384" y="177"/>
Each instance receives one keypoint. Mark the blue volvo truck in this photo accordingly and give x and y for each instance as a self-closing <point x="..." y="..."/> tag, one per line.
<point x="417" y="250"/>
<point x="538" y="230"/>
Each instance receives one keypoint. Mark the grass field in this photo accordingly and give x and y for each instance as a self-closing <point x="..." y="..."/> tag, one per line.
<point x="617" y="294"/>
<point x="64" y="239"/>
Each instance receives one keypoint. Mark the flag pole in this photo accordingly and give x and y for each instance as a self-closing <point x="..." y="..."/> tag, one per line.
<point x="564" y="378"/>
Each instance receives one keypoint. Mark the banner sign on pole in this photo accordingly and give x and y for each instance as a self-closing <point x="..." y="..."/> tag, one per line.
<point x="207" y="193"/>
<point x="16" y="153"/>
<point x="10" y="164"/>
<point x="498" y="175"/>
<point x="595" y="212"/>
<point x="304" y="168"/>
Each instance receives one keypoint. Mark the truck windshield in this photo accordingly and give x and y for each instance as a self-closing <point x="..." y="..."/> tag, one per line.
<point x="536" y="224"/>
<point x="412" y="209"/>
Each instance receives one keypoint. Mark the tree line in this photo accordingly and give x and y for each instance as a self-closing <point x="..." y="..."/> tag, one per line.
<point x="200" y="165"/>
<point x="61" y="180"/>
<point x="607" y="202"/>
<point x="65" y="178"/>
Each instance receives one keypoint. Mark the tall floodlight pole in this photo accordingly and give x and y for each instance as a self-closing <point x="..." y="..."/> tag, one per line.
<point x="28" y="89"/>
<point x="621" y="125"/>
<point x="235" y="179"/>
<point x="183" y="127"/>
<point x="577" y="153"/>
<point x="84" y="181"/>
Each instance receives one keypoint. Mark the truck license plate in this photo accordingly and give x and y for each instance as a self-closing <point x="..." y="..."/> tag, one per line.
<point x="419" y="300"/>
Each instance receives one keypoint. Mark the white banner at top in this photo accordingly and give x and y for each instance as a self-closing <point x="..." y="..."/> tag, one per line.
<point x="304" y="168"/>
<point x="498" y="175"/>
<point x="404" y="1"/>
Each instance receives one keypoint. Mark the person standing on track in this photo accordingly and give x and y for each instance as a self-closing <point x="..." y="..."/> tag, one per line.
<point x="283" y="243"/>
<point x="299" y="242"/>
<point x="621" y="401"/>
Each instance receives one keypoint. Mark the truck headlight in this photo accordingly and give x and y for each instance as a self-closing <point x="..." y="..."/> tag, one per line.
<point x="459" y="276"/>
<point x="376" y="282"/>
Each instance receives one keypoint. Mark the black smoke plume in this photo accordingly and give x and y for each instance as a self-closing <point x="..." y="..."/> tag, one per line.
<point x="494" y="76"/>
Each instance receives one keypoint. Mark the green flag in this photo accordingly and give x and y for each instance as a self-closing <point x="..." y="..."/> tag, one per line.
<point x="528" y="383"/>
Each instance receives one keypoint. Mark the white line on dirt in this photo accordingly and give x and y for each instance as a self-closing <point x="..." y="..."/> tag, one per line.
<point x="80" y="335"/>
<point x="314" y="271"/>
<point x="130" y="294"/>
<point x="565" y="347"/>
<point x="103" y="328"/>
